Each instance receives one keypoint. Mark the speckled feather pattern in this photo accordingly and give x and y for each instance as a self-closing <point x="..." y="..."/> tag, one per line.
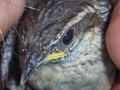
<point x="87" y="65"/>
<point x="7" y="53"/>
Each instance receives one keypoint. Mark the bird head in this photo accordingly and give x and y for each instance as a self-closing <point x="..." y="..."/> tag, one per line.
<point x="51" y="34"/>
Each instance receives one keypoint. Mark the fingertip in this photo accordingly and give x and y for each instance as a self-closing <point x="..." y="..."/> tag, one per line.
<point x="113" y="36"/>
<point x="10" y="12"/>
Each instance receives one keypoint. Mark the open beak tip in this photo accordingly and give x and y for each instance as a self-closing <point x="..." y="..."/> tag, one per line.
<point x="30" y="65"/>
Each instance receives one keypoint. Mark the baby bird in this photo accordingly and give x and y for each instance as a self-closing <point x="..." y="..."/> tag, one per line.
<point x="63" y="45"/>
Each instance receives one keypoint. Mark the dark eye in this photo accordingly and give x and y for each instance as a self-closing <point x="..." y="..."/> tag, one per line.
<point x="67" y="38"/>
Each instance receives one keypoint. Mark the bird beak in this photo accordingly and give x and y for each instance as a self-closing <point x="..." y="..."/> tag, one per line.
<point x="34" y="61"/>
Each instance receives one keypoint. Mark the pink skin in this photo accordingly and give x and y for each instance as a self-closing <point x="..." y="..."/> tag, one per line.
<point x="113" y="36"/>
<point x="11" y="10"/>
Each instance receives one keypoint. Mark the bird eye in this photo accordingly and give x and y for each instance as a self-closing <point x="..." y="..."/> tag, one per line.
<point x="67" y="38"/>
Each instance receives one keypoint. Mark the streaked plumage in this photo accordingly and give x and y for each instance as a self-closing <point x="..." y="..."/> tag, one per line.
<point x="82" y="64"/>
